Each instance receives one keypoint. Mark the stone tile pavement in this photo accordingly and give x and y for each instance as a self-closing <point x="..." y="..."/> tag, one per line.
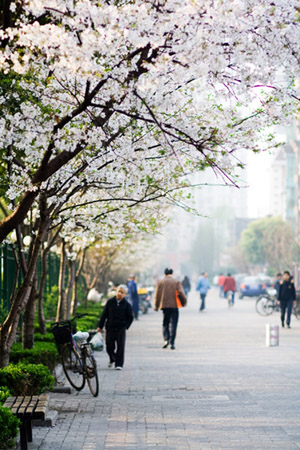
<point x="222" y="388"/>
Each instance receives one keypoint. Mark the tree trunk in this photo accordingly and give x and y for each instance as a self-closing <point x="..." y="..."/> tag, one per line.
<point x="28" y="317"/>
<point x="61" y="282"/>
<point x="41" y="315"/>
<point x="71" y="280"/>
<point x="9" y="327"/>
<point x="74" y="301"/>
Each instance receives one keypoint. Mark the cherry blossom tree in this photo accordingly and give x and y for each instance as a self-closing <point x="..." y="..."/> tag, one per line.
<point x="117" y="103"/>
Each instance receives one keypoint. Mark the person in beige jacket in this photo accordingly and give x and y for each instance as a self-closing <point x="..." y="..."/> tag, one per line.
<point x="165" y="299"/>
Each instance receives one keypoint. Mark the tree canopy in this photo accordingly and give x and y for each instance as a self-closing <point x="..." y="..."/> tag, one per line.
<point x="108" y="107"/>
<point x="137" y="94"/>
<point x="269" y="241"/>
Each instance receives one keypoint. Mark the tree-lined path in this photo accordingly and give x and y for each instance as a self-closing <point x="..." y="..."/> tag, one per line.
<point x="221" y="388"/>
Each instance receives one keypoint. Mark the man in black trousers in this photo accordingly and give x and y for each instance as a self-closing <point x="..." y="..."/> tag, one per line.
<point x="116" y="317"/>
<point x="165" y="299"/>
<point x="286" y="296"/>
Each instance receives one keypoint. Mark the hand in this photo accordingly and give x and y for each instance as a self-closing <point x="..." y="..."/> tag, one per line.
<point x="155" y="309"/>
<point x="98" y="330"/>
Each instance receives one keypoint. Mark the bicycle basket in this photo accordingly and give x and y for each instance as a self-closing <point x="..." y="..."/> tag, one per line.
<point x="62" y="334"/>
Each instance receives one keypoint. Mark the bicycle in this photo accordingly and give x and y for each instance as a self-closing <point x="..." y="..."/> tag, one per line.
<point x="267" y="303"/>
<point x="77" y="355"/>
<point x="229" y="296"/>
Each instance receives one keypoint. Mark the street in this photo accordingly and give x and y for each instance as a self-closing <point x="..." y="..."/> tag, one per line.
<point x="222" y="388"/>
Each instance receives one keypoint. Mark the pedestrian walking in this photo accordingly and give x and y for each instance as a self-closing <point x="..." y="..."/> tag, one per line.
<point x="286" y="297"/>
<point x="202" y="287"/>
<point x="116" y="318"/>
<point x="229" y="286"/>
<point x="134" y="296"/>
<point x="221" y="280"/>
<point x="165" y="299"/>
<point x="186" y="284"/>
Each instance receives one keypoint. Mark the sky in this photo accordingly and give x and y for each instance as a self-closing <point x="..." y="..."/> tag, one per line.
<point x="259" y="180"/>
<point x="259" y="175"/>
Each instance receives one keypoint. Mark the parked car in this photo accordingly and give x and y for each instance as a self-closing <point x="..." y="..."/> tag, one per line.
<point x="265" y="279"/>
<point x="238" y="278"/>
<point x="251" y="287"/>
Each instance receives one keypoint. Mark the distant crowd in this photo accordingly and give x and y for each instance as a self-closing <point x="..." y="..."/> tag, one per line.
<point x="171" y="295"/>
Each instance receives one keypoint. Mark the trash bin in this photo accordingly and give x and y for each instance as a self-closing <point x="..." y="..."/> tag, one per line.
<point x="272" y="335"/>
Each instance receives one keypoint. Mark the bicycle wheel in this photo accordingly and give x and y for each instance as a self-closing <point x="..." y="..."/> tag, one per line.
<point x="91" y="372"/>
<point x="229" y="301"/>
<point x="72" y="366"/>
<point x="296" y="311"/>
<point x="264" y="305"/>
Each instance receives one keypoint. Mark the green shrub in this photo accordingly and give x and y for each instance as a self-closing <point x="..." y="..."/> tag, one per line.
<point x="4" y="394"/>
<point x="9" y="425"/>
<point x="26" y="379"/>
<point x="42" y="353"/>
<point x="90" y="321"/>
<point x="48" y="337"/>
<point x="50" y="303"/>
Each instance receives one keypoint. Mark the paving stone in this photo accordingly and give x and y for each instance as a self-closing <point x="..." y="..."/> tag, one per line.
<point x="220" y="389"/>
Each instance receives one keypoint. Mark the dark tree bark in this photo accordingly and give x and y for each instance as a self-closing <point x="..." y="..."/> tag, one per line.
<point x="61" y="282"/>
<point x="41" y="291"/>
<point x="28" y="317"/>
<point x="9" y="327"/>
<point x="71" y="281"/>
<point x="41" y="315"/>
<point x="74" y="301"/>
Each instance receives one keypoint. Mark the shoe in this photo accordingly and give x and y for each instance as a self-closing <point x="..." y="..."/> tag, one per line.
<point x="172" y="347"/>
<point x="282" y="324"/>
<point x="289" y="326"/>
<point x="119" y="368"/>
<point x="110" y="364"/>
<point x="166" y="343"/>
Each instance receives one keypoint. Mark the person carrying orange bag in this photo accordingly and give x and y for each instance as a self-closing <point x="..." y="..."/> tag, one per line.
<point x="169" y="297"/>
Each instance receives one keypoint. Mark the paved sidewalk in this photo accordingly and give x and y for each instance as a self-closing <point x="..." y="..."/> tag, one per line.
<point x="222" y="388"/>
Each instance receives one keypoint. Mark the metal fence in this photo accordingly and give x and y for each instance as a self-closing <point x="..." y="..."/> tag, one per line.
<point x="8" y="270"/>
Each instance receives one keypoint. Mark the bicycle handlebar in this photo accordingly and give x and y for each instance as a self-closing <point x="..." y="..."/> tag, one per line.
<point x="66" y="322"/>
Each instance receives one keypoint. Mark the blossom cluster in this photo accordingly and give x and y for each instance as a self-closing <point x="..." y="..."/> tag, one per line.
<point x="139" y="95"/>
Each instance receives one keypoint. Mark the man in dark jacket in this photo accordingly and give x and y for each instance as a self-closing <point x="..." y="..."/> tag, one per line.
<point x="134" y="296"/>
<point x="286" y="296"/>
<point x="116" y="317"/>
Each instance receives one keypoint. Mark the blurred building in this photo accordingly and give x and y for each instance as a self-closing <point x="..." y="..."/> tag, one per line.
<point x="278" y="181"/>
<point x="285" y="190"/>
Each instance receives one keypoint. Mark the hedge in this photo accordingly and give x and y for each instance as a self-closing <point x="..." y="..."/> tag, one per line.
<point x="39" y="337"/>
<point x="42" y="353"/>
<point x="4" y="394"/>
<point x="9" y="425"/>
<point x="90" y="321"/>
<point x="26" y="379"/>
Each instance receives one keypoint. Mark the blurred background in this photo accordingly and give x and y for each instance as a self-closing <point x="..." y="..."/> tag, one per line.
<point x="249" y="230"/>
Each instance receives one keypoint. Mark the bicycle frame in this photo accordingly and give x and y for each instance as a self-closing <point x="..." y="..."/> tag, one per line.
<point x="85" y="363"/>
<point x="81" y="349"/>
